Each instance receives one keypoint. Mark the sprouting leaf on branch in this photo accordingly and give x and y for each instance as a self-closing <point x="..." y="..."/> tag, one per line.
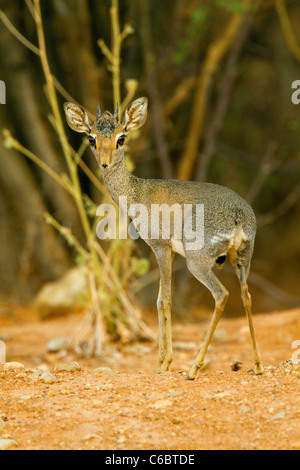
<point x="233" y="6"/>
<point x="193" y="31"/>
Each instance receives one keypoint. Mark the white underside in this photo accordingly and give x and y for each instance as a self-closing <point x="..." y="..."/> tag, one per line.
<point x="235" y="239"/>
<point x="177" y="246"/>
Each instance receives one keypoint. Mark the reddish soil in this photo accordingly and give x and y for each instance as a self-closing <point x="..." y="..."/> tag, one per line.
<point x="128" y="406"/>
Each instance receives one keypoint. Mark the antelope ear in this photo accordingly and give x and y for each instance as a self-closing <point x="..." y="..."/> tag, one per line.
<point x="77" y="118"/>
<point x="135" y="115"/>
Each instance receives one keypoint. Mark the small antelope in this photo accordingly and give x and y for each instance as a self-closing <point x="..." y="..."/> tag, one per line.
<point x="229" y="223"/>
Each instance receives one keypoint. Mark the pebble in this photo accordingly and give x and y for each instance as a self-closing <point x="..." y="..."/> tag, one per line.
<point x="7" y="443"/>
<point x="177" y="420"/>
<point x="161" y="404"/>
<point x="243" y="410"/>
<point x="44" y="376"/>
<point x="57" y="344"/>
<point x="13" y="366"/>
<point x="99" y="370"/>
<point x="175" y="393"/>
<point x="2" y="424"/>
<point x="88" y="437"/>
<point x="236" y="365"/>
<point x="69" y="367"/>
<point x="280" y="415"/>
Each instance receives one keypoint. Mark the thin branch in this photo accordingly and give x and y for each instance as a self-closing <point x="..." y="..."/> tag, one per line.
<point x="77" y="158"/>
<point x="267" y="167"/>
<point x="30" y="8"/>
<point x="58" y="120"/>
<point x="68" y="235"/>
<point x="105" y="50"/>
<point x="273" y="290"/>
<point x="131" y="86"/>
<point x="100" y="336"/>
<point x="113" y="281"/>
<point x="270" y="217"/>
<point x="179" y="95"/>
<point x="152" y="85"/>
<point x="215" y="54"/>
<point x="287" y="29"/>
<point x="62" y="180"/>
<point x="269" y="164"/>
<point x="225" y="91"/>
<point x="17" y="34"/>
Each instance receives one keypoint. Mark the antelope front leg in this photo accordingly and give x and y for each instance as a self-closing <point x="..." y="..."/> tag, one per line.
<point x="164" y="301"/>
<point x="165" y="354"/>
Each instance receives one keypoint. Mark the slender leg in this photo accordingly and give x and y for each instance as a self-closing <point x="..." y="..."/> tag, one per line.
<point x="220" y="295"/>
<point x="242" y="270"/>
<point x="259" y="369"/>
<point x="164" y="258"/>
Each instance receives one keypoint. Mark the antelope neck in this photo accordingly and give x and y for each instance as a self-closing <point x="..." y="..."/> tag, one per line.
<point x="120" y="182"/>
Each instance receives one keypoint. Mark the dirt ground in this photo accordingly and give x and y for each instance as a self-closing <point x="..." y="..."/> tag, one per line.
<point x="125" y="405"/>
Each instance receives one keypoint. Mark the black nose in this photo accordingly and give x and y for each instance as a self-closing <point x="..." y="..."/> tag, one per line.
<point x="104" y="165"/>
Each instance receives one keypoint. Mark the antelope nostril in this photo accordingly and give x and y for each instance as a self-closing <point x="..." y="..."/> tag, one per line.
<point x="104" y="165"/>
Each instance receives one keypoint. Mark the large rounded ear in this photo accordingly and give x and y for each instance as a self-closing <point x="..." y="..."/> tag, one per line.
<point x="135" y="115"/>
<point x="77" y="118"/>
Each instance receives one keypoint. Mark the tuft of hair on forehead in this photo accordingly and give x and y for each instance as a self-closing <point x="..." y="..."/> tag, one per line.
<point x="106" y="124"/>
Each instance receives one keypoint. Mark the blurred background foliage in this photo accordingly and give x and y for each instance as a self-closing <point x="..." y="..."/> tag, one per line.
<point x="218" y="75"/>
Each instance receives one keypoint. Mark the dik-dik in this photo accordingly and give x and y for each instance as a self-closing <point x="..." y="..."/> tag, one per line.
<point x="229" y="223"/>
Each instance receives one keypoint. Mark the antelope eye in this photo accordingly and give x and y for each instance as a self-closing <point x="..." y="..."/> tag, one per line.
<point x="92" y="141"/>
<point x="121" y="140"/>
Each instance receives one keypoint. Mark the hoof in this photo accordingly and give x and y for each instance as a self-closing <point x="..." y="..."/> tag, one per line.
<point x="163" y="368"/>
<point x="259" y="370"/>
<point x="190" y="378"/>
<point x="193" y="372"/>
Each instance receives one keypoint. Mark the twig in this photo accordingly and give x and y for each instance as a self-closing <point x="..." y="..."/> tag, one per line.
<point x="17" y="34"/>
<point x="179" y="95"/>
<point x="30" y="8"/>
<point x="268" y="166"/>
<point x="214" y="57"/>
<point x="62" y="180"/>
<point x="114" y="55"/>
<point x="130" y="310"/>
<point x="158" y="122"/>
<point x="273" y="290"/>
<point x="98" y="319"/>
<point x="68" y="235"/>
<point x="287" y="29"/>
<point x="291" y="199"/>
<point x="58" y="119"/>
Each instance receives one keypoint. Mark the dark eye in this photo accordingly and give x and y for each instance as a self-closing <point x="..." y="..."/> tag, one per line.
<point x="92" y="141"/>
<point x="121" y="140"/>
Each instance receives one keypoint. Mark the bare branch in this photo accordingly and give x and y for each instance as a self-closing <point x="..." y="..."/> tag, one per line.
<point x="215" y="54"/>
<point x="225" y="91"/>
<point x="17" y="34"/>
<point x="287" y="29"/>
<point x="291" y="199"/>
